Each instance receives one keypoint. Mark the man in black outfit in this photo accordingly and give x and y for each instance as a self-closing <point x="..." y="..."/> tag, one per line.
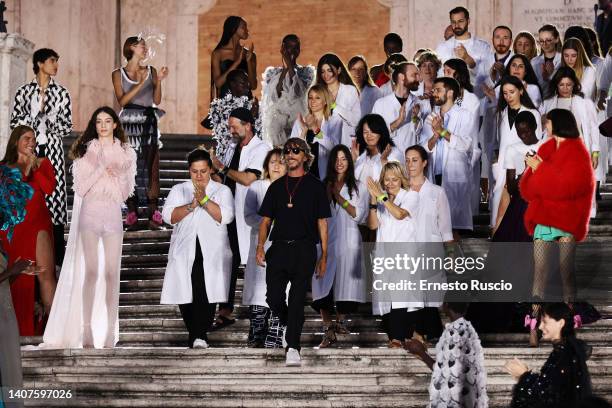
<point x="298" y="205"/>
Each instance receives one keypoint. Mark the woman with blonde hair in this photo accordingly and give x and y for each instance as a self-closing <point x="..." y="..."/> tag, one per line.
<point x="392" y="212"/>
<point x="525" y="43"/>
<point x="319" y="127"/>
<point x="574" y="56"/>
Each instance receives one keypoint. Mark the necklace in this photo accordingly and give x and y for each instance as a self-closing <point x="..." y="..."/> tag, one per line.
<point x="292" y="193"/>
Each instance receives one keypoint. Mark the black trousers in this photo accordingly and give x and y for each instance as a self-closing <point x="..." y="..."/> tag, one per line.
<point x="233" y="241"/>
<point x="327" y="303"/>
<point x="293" y="262"/>
<point x="199" y="314"/>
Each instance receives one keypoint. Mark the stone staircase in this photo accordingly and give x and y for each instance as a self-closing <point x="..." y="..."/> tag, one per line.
<point x="152" y="368"/>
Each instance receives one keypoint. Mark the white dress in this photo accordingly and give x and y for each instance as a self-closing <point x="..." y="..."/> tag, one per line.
<point x="348" y="109"/>
<point x="390" y="229"/>
<point x="344" y="264"/>
<point x="254" y="290"/>
<point x="214" y="241"/>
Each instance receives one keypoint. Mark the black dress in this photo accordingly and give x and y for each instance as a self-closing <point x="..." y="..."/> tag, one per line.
<point x="563" y="380"/>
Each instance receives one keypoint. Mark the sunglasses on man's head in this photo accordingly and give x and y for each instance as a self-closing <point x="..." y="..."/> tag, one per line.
<point x="294" y="150"/>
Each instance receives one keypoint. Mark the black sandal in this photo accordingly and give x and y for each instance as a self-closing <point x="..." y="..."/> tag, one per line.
<point x="224" y="323"/>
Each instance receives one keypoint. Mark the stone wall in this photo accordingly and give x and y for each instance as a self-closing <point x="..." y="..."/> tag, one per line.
<point x="84" y="32"/>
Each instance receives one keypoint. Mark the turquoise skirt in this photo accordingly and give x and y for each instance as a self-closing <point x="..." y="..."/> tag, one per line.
<point x="546" y="233"/>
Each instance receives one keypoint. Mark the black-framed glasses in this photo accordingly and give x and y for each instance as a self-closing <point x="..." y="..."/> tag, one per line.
<point x="294" y="150"/>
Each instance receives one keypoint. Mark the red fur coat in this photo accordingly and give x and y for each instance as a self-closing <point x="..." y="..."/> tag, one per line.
<point x="560" y="192"/>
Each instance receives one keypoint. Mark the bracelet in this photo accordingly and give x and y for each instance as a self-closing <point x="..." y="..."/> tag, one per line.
<point x="373" y="206"/>
<point x="345" y="204"/>
<point x="204" y="201"/>
<point x="381" y="197"/>
<point x="190" y="208"/>
<point x="444" y="133"/>
<point x="595" y="154"/>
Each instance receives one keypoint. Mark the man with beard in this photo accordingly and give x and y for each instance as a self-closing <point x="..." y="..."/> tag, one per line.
<point x="297" y="204"/>
<point x="401" y="107"/>
<point x="284" y="92"/>
<point x="492" y="66"/>
<point x="448" y="139"/>
<point x="463" y="44"/>
<point x="244" y="168"/>
<point x="392" y="44"/>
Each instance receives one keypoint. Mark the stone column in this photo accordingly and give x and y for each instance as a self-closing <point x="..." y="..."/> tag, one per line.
<point x="401" y="21"/>
<point x="14" y="53"/>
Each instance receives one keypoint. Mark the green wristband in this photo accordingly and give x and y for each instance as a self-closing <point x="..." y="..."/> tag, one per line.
<point x="204" y="200"/>
<point x="381" y="197"/>
<point x="345" y="204"/>
<point x="443" y="133"/>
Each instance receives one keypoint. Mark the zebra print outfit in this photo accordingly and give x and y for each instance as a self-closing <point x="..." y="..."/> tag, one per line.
<point x="57" y="120"/>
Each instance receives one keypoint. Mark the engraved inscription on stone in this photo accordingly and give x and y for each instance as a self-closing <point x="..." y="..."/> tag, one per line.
<point x="532" y="14"/>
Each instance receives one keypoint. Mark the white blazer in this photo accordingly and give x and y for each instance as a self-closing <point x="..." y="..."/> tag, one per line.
<point x="389" y="108"/>
<point x="214" y="242"/>
<point x="348" y="109"/>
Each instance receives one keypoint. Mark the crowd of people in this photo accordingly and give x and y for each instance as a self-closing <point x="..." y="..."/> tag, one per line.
<point x="333" y="157"/>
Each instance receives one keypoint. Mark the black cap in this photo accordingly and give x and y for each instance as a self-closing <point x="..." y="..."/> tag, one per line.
<point x="243" y="114"/>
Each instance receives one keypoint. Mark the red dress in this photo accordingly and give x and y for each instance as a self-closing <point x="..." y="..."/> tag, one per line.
<point x="23" y="245"/>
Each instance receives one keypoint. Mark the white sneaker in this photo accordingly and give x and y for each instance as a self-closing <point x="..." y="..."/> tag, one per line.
<point x="200" y="344"/>
<point x="285" y="337"/>
<point x="292" y="359"/>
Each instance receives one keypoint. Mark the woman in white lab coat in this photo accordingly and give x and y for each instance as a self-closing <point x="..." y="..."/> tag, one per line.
<point x="319" y="128"/>
<point x="368" y="91"/>
<point x="457" y="68"/>
<point x="565" y="89"/>
<point x="574" y="56"/>
<point x="392" y="212"/>
<point x="332" y="74"/>
<point x="515" y="99"/>
<point x="433" y="223"/>
<point x="344" y="283"/>
<point x="199" y="259"/>
<point x="254" y="289"/>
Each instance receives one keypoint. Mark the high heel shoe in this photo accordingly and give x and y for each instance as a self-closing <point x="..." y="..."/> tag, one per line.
<point x="532" y="324"/>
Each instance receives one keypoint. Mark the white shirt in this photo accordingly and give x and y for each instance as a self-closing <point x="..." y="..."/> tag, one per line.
<point x="477" y="48"/>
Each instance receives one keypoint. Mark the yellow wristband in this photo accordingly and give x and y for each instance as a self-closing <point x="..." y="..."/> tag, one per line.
<point x="380" y="197"/>
<point x="345" y="204"/>
<point x="595" y="154"/>
<point x="443" y="133"/>
<point x="204" y="200"/>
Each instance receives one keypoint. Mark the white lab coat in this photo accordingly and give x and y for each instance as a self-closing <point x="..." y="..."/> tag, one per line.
<point x="477" y="48"/>
<point x="589" y="83"/>
<point x="371" y="166"/>
<point x="251" y="157"/>
<point x="484" y="72"/>
<point x="389" y="108"/>
<point x="344" y="264"/>
<point x="368" y="96"/>
<point x="391" y="229"/>
<point x="214" y="242"/>
<point x="254" y="289"/>
<point x="348" y="109"/>
<point x="457" y="170"/>
<point x="537" y="63"/>
<point x="506" y="136"/>
<point x="471" y="103"/>
<point x="386" y="89"/>
<point x="332" y="134"/>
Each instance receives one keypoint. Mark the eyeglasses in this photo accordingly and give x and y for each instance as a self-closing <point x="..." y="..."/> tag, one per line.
<point x="294" y="150"/>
